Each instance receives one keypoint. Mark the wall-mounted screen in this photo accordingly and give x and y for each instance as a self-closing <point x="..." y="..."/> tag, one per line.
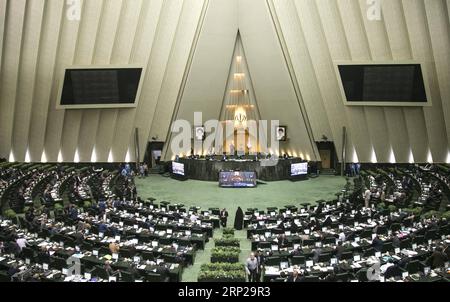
<point x="299" y="169"/>
<point x="178" y="169"/>
<point x="383" y="84"/>
<point x="100" y="87"/>
<point x="237" y="179"/>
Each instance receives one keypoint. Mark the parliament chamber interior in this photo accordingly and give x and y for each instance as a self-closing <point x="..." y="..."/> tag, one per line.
<point x="219" y="141"/>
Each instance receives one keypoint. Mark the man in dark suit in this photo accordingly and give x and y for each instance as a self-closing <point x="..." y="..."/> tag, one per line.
<point x="282" y="241"/>
<point x="438" y="258"/>
<point x="295" y="277"/>
<point x="260" y="258"/>
<point x="377" y="244"/>
<point x="223" y="217"/>
<point x="339" y="250"/>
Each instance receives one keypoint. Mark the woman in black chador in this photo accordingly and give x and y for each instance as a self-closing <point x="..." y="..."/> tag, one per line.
<point x="239" y="219"/>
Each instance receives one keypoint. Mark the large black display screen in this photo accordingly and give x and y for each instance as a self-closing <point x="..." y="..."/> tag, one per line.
<point x="237" y="179"/>
<point x="383" y="83"/>
<point x="100" y="86"/>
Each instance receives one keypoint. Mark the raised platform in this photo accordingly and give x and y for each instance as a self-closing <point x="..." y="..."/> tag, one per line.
<point x="208" y="170"/>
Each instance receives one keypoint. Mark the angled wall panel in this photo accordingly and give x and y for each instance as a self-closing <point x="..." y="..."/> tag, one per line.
<point x="177" y="68"/>
<point x="27" y="77"/>
<point x="277" y="99"/>
<point x="439" y="30"/>
<point x="87" y="35"/>
<point x="55" y="119"/>
<point x="417" y="24"/>
<point x="50" y="37"/>
<point x="11" y="60"/>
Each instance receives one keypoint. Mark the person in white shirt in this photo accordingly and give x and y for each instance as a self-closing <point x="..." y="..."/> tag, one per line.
<point x="342" y="237"/>
<point x="384" y="267"/>
<point x="21" y="242"/>
<point x="367" y="195"/>
<point x="193" y="218"/>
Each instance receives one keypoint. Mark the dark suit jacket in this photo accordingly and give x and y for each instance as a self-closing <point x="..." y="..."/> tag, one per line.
<point x="298" y="279"/>
<point x="339" y="250"/>
<point x="437" y="259"/>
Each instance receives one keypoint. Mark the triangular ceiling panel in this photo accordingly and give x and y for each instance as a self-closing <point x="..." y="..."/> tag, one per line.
<point x="258" y="77"/>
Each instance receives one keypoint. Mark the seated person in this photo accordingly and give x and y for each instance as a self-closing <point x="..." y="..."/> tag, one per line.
<point x="437" y="259"/>
<point x="114" y="247"/>
<point x="339" y="250"/>
<point x="295" y="277"/>
<point x="377" y="244"/>
<point x="102" y="227"/>
<point x="110" y="271"/>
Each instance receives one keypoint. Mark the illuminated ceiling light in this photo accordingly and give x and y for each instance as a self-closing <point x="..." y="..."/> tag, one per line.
<point x="240" y="117"/>
<point x="411" y="157"/>
<point x="60" y="157"/>
<point x="110" y="157"/>
<point x="76" y="158"/>
<point x="373" y="158"/>
<point x="43" y="157"/>
<point x="27" y="156"/>
<point x="392" y="157"/>
<point x="239" y="59"/>
<point x="447" y="161"/>
<point x="128" y="157"/>
<point x="308" y="157"/>
<point x="243" y="106"/>
<point x="429" y="157"/>
<point x="244" y="91"/>
<point x="94" y="156"/>
<point x="239" y="75"/>
<point x="11" y="157"/>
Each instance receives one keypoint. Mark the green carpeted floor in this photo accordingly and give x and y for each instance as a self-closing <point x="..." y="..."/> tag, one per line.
<point x="209" y="195"/>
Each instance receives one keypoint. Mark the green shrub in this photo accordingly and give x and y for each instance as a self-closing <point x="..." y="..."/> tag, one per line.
<point x="381" y="206"/>
<point x="446" y="215"/>
<point x="222" y="276"/>
<point x="58" y="208"/>
<point x="413" y="211"/>
<point x="228" y="231"/>
<point x="225" y="254"/>
<point x="222" y="272"/>
<point x="227" y="241"/>
<point x="222" y="266"/>
<point x="10" y="214"/>
<point x="392" y="208"/>
<point x="87" y="204"/>
<point x="431" y="214"/>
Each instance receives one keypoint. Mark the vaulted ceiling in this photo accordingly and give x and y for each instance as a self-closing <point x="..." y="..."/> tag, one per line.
<point x="291" y="48"/>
